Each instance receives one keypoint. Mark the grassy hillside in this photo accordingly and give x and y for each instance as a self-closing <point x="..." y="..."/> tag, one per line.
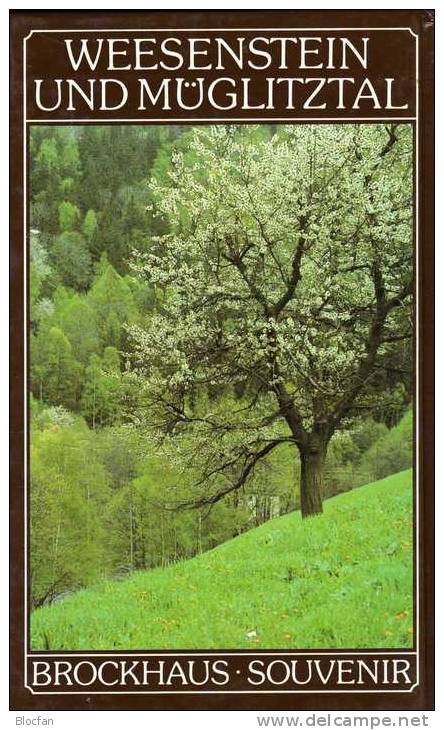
<point x="343" y="579"/>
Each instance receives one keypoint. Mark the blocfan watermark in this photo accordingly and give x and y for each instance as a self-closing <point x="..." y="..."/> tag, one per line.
<point x="312" y="720"/>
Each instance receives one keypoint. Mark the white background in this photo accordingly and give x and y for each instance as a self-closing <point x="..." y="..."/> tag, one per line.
<point x="203" y="719"/>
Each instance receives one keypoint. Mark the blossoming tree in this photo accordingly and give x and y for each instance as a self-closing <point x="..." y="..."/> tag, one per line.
<point x="286" y="275"/>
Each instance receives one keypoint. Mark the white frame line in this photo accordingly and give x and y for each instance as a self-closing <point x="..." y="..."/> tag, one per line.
<point x="167" y="121"/>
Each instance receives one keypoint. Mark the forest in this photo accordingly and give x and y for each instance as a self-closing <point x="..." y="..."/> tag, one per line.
<point x="220" y="334"/>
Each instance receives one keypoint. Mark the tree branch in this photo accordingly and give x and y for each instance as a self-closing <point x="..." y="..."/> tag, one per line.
<point x="295" y="272"/>
<point x="250" y="463"/>
<point x="236" y="259"/>
<point x="374" y="340"/>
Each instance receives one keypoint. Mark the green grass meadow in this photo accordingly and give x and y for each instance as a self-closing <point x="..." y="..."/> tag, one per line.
<point x="340" y="580"/>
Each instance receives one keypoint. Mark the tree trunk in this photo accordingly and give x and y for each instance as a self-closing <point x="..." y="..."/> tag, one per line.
<point x="312" y="477"/>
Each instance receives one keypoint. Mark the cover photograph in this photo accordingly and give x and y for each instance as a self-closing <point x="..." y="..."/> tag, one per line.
<point x="222" y="380"/>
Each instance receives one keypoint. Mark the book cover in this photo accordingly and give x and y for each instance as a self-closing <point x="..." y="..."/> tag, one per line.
<point x="222" y="360"/>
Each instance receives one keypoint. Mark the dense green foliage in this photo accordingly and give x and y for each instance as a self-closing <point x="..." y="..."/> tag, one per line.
<point x="103" y="492"/>
<point x="342" y="580"/>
